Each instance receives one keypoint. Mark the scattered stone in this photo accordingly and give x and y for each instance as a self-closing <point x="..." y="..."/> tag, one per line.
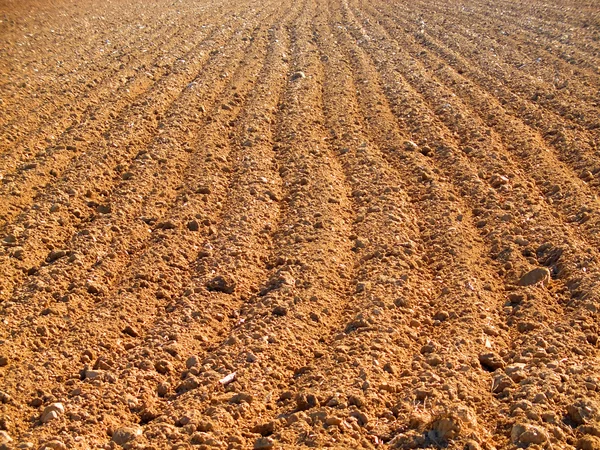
<point x="491" y="361"/>
<point x="241" y="397"/>
<point x="583" y="411"/>
<point x="93" y="374"/>
<point x="3" y="361"/>
<point x="163" y="389"/>
<point x="516" y="372"/>
<point x="130" y="331"/>
<point x="535" y="276"/>
<point x="263" y="443"/>
<point x="298" y="75"/>
<point x="163" y="366"/>
<point x="125" y="435"/>
<point x="54" y="444"/>
<point x="192" y="361"/>
<point x="4" y="397"/>
<point x="193" y="225"/>
<point x="306" y="401"/>
<point x="167" y="225"/>
<point x="52" y="412"/>
<point x="333" y="421"/>
<point x="56" y="254"/>
<point x="588" y="442"/>
<point x="410" y="146"/>
<point x="221" y="283"/>
<point x="501" y="382"/>
<point x="5" y="437"/>
<point x="10" y="239"/>
<point x="280" y="311"/>
<point x="525" y="434"/>
<point x="498" y="181"/>
<point x="441" y="316"/>
<point x="389" y="368"/>
<point x="104" y="209"/>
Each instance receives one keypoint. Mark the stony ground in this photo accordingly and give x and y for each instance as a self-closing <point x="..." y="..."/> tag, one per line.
<point x="290" y="224"/>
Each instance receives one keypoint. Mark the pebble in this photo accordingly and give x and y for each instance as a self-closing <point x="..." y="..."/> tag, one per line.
<point x="55" y="444"/>
<point x="583" y="411"/>
<point x="192" y="361"/>
<point x="163" y="389"/>
<point x="263" y="443"/>
<point x="5" y="438"/>
<point x="52" y="412"/>
<point x="410" y="146"/>
<point x="588" y="442"/>
<point x="129" y="330"/>
<point x="535" y="276"/>
<point x="163" y="366"/>
<point x="125" y="435"/>
<point x="4" y="397"/>
<point x="491" y="361"/>
<point x="221" y="283"/>
<point x="193" y="225"/>
<point x="298" y="75"/>
<point x="526" y="434"/>
<point x="280" y="311"/>
<point x="3" y="361"/>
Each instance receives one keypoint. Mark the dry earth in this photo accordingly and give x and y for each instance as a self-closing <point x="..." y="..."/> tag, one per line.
<point x="290" y="224"/>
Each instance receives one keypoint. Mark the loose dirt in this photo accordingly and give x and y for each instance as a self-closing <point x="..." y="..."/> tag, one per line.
<point x="324" y="223"/>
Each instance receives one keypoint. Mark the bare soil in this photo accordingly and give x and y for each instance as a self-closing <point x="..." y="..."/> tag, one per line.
<point x="299" y="224"/>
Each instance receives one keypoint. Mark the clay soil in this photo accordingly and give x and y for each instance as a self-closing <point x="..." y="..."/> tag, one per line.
<point x="299" y="224"/>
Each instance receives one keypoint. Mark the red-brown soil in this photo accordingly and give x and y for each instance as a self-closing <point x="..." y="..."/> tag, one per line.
<point x="290" y="224"/>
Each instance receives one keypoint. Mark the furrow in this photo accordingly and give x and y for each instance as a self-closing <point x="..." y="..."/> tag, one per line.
<point x="99" y="169"/>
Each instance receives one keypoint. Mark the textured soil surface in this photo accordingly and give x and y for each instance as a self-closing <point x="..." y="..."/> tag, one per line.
<point x="289" y="224"/>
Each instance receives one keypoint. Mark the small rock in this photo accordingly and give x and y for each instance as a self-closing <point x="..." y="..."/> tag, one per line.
<point x="389" y="368"/>
<point x="193" y="225"/>
<point x="526" y="434"/>
<point x="298" y="75"/>
<point x="241" y="397"/>
<point x="516" y="372"/>
<point x="10" y="239"/>
<point x="167" y="225"/>
<point x="410" y="146"/>
<point x="441" y="316"/>
<point x="104" y="209"/>
<point x="93" y="374"/>
<point x="129" y="330"/>
<point x="498" y="181"/>
<point x="501" y="382"/>
<point x="163" y="389"/>
<point x="491" y="361"/>
<point x="56" y="254"/>
<point x="280" y="311"/>
<point x="306" y="401"/>
<point x="333" y="420"/>
<point x="52" y="412"/>
<point x="163" y="366"/>
<point x="3" y="361"/>
<point x="221" y="283"/>
<point x="192" y="361"/>
<point x="125" y="435"/>
<point x="4" y="397"/>
<point x="5" y="438"/>
<point x="535" y="276"/>
<point x="588" y="442"/>
<point x="54" y="445"/>
<point x="263" y="443"/>
<point x="583" y="411"/>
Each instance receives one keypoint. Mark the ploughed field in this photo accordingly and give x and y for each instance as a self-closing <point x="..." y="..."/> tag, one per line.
<point x="291" y="224"/>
